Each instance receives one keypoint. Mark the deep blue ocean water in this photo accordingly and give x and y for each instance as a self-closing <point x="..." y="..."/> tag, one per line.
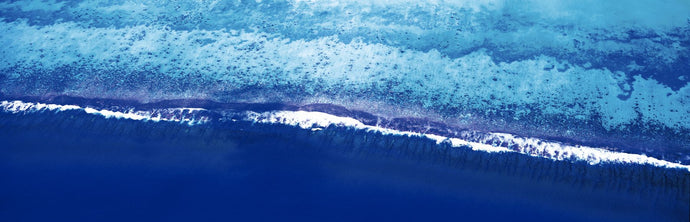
<point x="71" y="166"/>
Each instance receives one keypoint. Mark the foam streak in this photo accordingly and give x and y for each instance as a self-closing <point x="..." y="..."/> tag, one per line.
<point x="315" y="121"/>
<point x="182" y="115"/>
<point x="508" y="143"/>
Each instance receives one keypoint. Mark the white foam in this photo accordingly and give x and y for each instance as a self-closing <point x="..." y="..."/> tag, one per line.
<point x="317" y="121"/>
<point x="19" y="106"/>
<point x="181" y="115"/>
<point x="528" y="146"/>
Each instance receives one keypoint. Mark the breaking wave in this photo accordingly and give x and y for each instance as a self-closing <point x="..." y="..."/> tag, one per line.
<point x="477" y="141"/>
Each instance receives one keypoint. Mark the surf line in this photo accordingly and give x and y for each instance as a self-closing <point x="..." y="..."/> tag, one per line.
<point x="315" y="121"/>
<point x="509" y="143"/>
<point x="181" y="115"/>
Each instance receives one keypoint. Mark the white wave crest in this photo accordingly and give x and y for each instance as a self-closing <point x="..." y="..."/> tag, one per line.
<point x="492" y="143"/>
<point x="507" y="142"/>
<point x="181" y="115"/>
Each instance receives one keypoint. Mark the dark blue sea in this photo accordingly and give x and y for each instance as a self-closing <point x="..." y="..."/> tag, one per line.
<point x="337" y="110"/>
<point x="71" y="166"/>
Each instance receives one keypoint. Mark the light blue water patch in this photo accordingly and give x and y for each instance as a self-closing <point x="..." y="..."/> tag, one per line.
<point x="641" y="36"/>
